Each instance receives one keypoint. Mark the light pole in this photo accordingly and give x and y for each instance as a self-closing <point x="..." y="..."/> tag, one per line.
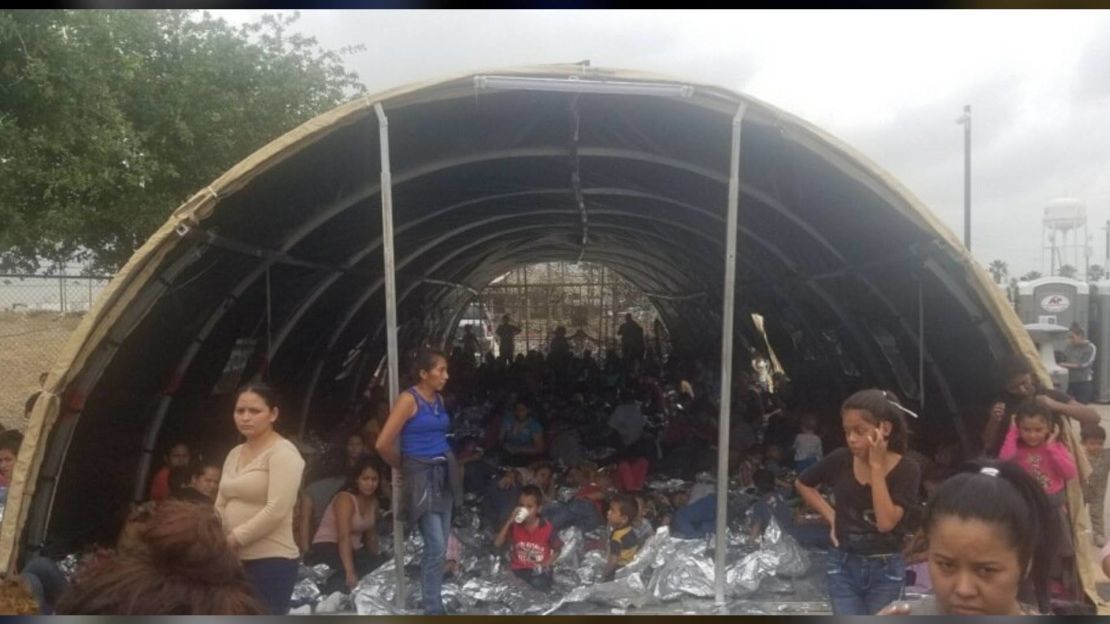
<point x="965" y="120"/>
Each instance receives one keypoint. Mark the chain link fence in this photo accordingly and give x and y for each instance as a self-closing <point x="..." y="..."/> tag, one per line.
<point x="37" y="315"/>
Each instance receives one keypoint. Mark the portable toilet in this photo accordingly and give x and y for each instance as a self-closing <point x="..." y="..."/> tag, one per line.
<point x="1050" y="305"/>
<point x="1099" y="333"/>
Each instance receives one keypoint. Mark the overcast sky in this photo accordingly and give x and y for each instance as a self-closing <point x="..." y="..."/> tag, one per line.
<point x="889" y="83"/>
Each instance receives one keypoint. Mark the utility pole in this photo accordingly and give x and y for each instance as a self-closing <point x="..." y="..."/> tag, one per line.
<point x="965" y="120"/>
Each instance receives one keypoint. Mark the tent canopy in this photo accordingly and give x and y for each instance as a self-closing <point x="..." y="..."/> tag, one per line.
<point x="285" y="248"/>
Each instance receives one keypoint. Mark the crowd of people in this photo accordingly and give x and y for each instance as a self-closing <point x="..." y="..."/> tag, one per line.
<point x="989" y="536"/>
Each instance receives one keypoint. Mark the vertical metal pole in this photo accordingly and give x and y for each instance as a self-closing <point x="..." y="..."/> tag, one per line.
<point x="391" y="338"/>
<point x="966" y="120"/>
<point x="921" y="346"/>
<point x="726" y="357"/>
<point x="601" y="313"/>
<point x="527" y="314"/>
<point x="61" y="289"/>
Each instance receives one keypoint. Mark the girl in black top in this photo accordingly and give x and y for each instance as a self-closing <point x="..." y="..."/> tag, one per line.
<point x="875" y="489"/>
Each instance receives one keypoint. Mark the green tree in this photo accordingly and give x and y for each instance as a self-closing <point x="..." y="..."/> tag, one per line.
<point x="1067" y="271"/>
<point x="110" y="119"/>
<point x="999" y="270"/>
<point x="1030" y="276"/>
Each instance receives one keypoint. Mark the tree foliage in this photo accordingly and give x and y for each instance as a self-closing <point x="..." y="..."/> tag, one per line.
<point x="999" y="270"/>
<point x="110" y="119"/>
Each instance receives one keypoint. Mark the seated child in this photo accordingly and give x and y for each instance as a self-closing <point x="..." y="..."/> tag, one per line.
<point x="532" y="540"/>
<point x="622" y="540"/>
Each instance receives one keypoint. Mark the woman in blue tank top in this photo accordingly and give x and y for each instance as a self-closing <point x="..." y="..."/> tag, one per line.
<point x="430" y="484"/>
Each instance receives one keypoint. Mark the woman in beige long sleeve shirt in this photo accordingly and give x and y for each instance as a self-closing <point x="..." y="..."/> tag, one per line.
<point x="259" y="488"/>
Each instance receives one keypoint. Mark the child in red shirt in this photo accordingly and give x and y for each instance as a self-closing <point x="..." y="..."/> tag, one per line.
<point x="533" y="543"/>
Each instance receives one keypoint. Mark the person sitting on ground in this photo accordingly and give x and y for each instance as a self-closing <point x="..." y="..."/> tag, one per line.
<point x="522" y="436"/>
<point x="989" y="532"/>
<point x="201" y="485"/>
<point x="10" y="441"/>
<point x="178" y="456"/>
<point x="1032" y="442"/>
<point x="184" y="567"/>
<point x="347" y="539"/>
<point x="1019" y="385"/>
<point x="1094" y="439"/>
<point x="771" y="504"/>
<point x="502" y="493"/>
<point x="807" y="445"/>
<point x="622" y="540"/>
<point x="533" y="542"/>
<point x="586" y="509"/>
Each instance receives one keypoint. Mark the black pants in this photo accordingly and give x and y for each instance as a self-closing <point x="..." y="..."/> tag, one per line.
<point x="1082" y="391"/>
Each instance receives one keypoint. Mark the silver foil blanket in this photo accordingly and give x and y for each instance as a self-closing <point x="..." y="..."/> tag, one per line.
<point x="666" y="574"/>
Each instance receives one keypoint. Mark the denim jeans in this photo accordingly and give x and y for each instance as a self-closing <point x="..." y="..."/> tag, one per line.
<point x="696" y="520"/>
<point x="578" y="512"/>
<point x="860" y="585"/>
<point x="273" y="580"/>
<point x="46" y="581"/>
<point x="434" y="528"/>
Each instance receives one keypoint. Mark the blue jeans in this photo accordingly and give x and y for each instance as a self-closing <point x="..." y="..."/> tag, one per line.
<point x="578" y="512"/>
<point x="272" y="580"/>
<point x="434" y="528"/>
<point x="697" y="519"/>
<point x="861" y="585"/>
<point x="46" y="581"/>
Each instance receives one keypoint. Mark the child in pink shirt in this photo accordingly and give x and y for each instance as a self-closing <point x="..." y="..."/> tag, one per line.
<point x="1032" y="443"/>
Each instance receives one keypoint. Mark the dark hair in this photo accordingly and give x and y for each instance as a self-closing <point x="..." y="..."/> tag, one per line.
<point x="423" y="360"/>
<point x="173" y="445"/>
<point x="1012" y="500"/>
<point x="1077" y="330"/>
<point x="626" y="505"/>
<point x="882" y="406"/>
<point x="1092" y="432"/>
<point x="262" y="389"/>
<point x="764" y="481"/>
<point x="1032" y="409"/>
<point x="364" y="462"/>
<point x="534" y="492"/>
<point x="185" y="568"/>
<point x="11" y="440"/>
<point x="1011" y="367"/>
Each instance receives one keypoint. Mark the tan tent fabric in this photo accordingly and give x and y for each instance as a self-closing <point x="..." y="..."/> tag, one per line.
<point x="127" y="301"/>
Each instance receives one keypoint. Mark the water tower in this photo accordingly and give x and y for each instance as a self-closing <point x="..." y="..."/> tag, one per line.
<point x="1064" y="232"/>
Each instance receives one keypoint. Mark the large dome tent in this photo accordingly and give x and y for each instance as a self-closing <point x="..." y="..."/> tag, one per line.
<point x="490" y="171"/>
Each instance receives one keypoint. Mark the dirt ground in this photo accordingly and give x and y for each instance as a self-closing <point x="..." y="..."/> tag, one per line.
<point x="29" y="343"/>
